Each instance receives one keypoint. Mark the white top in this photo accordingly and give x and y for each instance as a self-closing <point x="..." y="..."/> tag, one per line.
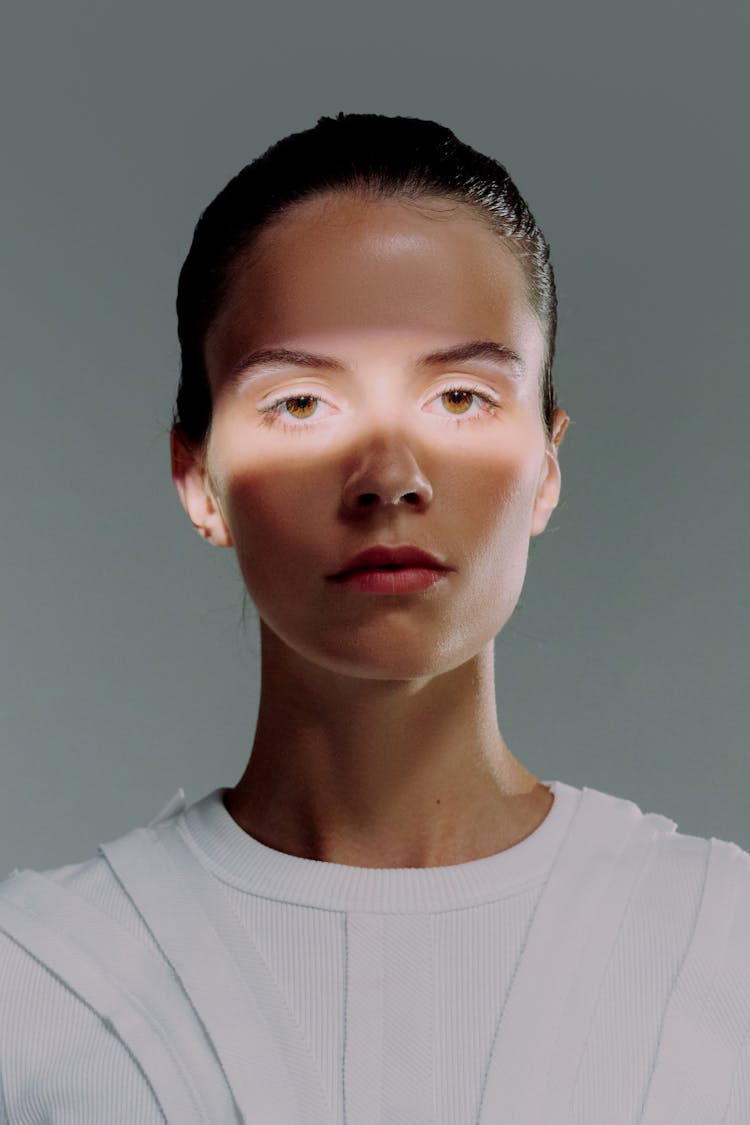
<point x="598" y="971"/>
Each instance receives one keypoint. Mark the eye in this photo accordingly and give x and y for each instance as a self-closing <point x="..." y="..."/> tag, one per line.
<point x="273" y="411"/>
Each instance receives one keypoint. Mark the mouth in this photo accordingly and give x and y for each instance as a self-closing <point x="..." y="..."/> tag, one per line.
<point x="384" y="568"/>
<point x="390" y="579"/>
<point x="382" y="557"/>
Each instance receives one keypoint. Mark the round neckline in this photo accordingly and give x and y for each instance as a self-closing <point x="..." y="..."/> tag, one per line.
<point x="244" y="863"/>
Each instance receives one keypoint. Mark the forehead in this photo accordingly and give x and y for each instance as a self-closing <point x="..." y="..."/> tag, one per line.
<point x="342" y="263"/>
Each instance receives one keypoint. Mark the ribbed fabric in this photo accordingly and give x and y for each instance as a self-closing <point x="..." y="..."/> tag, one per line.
<point x="395" y="981"/>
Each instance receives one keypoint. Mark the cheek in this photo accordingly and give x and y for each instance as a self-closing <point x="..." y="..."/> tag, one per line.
<point x="499" y="491"/>
<point x="497" y="513"/>
<point x="263" y="499"/>
<point x="275" y="522"/>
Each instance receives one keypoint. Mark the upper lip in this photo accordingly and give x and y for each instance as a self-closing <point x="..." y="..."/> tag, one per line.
<point x="390" y="556"/>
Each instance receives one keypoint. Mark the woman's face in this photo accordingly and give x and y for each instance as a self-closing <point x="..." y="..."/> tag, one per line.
<point x="298" y="491"/>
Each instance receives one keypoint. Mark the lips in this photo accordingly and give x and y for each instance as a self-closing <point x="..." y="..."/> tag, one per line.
<point x="383" y="556"/>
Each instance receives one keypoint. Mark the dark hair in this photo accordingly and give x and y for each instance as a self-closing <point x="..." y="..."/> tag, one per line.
<point x="405" y="157"/>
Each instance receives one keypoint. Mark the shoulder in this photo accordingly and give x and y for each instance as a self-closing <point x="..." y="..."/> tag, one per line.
<point x="43" y="908"/>
<point x="90" y="882"/>
<point x="687" y="885"/>
<point x="714" y="872"/>
<point x="691" y="909"/>
<point x="56" y="1046"/>
<point x="678" y="855"/>
<point x="31" y="901"/>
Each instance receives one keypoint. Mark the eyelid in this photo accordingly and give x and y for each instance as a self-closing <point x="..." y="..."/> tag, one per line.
<point x="467" y="382"/>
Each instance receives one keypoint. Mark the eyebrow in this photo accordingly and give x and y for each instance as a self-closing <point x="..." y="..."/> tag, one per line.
<point x="457" y="353"/>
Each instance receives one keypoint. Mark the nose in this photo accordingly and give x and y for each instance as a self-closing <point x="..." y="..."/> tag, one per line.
<point x="387" y="472"/>
<point x="368" y="499"/>
<point x="389" y="486"/>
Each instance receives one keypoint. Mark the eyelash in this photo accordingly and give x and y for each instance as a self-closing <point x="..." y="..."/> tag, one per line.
<point x="273" y="410"/>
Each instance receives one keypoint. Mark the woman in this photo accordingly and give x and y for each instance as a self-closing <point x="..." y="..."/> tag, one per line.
<point x="388" y="917"/>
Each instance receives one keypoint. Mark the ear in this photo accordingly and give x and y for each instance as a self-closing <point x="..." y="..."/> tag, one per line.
<point x="548" y="492"/>
<point x="194" y="489"/>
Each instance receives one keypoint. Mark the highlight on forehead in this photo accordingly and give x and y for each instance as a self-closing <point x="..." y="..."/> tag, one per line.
<point x="259" y="244"/>
<point x="334" y="203"/>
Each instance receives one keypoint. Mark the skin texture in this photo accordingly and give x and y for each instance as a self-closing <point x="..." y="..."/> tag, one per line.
<point x="377" y="742"/>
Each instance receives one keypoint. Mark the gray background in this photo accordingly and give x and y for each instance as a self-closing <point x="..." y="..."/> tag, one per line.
<point x="125" y="671"/>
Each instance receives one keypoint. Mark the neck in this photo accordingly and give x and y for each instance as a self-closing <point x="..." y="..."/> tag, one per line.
<point x="376" y="773"/>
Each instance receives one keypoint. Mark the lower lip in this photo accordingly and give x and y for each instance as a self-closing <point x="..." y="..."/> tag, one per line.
<point x="407" y="580"/>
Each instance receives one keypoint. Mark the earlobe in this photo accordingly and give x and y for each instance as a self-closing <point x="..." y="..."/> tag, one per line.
<point x="190" y="478"/>
<point x="548" y="494"/>
<point x="214" y="527"/>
